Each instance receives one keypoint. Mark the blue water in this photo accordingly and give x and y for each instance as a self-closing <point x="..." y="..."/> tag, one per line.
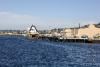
<point x="21" y="52"/>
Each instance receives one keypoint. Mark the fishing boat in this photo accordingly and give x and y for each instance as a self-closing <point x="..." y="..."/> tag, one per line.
<point x="32" y="32"/>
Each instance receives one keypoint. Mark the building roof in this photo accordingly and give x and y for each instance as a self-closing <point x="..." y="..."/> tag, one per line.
<point x="95" y="25"/>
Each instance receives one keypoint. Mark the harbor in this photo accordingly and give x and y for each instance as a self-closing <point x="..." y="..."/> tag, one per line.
<point x="49" y="33"/>
<point x="85" y="34"/>
<point x="89" y="34"/>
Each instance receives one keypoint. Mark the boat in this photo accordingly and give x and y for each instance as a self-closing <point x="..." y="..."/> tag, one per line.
<point x="32" y="32"/>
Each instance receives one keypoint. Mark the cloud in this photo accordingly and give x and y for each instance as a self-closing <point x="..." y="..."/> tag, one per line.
<point x="56" y="22"/>
<point x="10" y="20"/>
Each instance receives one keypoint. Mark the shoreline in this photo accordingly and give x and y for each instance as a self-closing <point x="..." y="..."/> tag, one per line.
<point x="56" y="39"/>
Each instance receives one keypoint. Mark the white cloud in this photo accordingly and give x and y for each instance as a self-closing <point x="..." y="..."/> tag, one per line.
<point x="10" y="20"/>
<point x="15" y="21"/>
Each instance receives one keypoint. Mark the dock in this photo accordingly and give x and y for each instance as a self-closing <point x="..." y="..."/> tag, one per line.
<point x="33" y="33"/>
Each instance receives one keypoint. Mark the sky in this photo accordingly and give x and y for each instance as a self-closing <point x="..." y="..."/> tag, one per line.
<point x="48" y="14"/>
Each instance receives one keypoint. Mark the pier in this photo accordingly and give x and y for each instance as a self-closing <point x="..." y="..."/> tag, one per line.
<point x="56" y="39"/>
<point x="33" y="33"/>
<point x="66" y="35"/>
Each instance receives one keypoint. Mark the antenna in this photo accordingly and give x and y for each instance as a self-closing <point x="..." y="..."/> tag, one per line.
<point x="79" y="25"/>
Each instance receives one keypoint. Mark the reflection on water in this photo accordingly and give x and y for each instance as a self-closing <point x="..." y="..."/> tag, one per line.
<point x="21" y="52"/>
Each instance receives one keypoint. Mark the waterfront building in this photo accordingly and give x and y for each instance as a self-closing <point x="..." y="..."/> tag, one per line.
<point x="70" y="32"/>
<point x="91" y="32"/>
<point x="56" y="32"/>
